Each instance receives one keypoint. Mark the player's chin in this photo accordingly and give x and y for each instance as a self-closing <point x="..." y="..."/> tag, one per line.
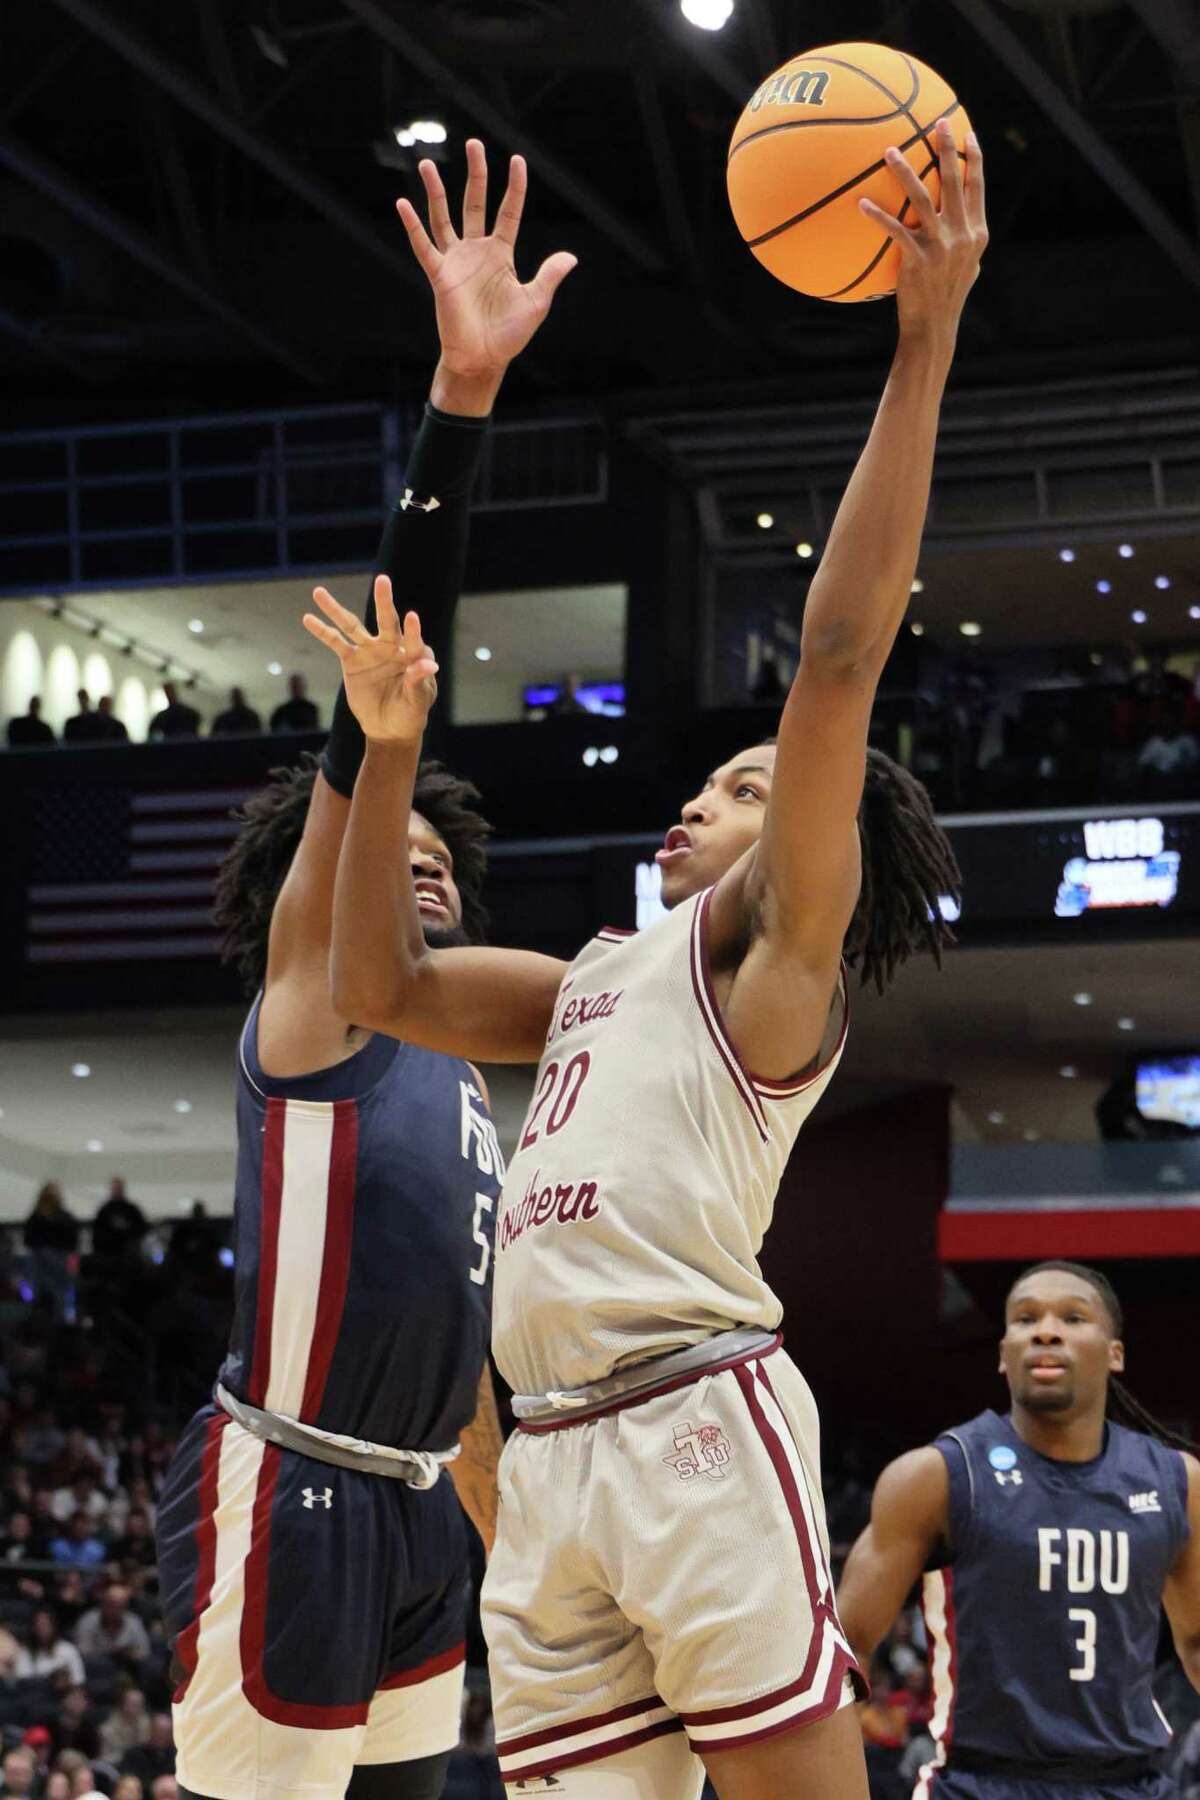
<point x="445" y="937"/>
<point x="1053" y="1400"/>
<point x="682" y="881"/>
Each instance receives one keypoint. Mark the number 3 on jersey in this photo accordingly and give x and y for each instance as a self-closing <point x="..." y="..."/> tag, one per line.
<point x="1085" y="1644"/>
<point x="559" y="1087"/>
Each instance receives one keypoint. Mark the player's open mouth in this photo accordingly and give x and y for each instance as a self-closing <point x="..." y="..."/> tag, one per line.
<point x="429" y="900"/>
<point x="678" y="844"/>
<point x="1045" y="1370"/>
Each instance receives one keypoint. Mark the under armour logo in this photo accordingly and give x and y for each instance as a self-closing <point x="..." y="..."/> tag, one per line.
<point x="539" y="1784"/>
<point x="1013" y="1480"/>
<point x="311" y="1497"/>
<point x="410" y="501"/>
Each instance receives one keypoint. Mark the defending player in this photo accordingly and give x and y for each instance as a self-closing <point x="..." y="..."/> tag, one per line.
<point x="1048" y="1541"/>
<point x="660" y="1584"/>
<point x="314" y="1565"/>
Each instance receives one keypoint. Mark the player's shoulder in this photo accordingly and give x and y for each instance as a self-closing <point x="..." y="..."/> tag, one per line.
<point x="916" y="1485"/>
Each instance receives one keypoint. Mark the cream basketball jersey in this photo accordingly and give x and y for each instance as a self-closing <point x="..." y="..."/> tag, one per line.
<point x="645" y="1177"/>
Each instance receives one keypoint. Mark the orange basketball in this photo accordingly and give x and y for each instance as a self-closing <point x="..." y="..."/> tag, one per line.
<point x="809" y="146"/>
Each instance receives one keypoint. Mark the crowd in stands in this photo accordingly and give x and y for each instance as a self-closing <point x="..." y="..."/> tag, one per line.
<point x="110" y="1335"/>
<point x="98" y="724"/>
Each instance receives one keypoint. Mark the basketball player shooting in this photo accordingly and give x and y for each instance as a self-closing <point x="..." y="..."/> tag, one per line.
<point x="1047" y="1542"/>
<point x="313" y="1558"/>
<point x="660" y="1591"/>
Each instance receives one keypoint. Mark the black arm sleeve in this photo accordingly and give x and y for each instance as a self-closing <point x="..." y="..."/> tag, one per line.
<point x="424" y="552"/>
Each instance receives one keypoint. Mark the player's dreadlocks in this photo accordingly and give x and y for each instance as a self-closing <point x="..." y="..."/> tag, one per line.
<point x="908" y="868"/>
<point x="1121" y="1406"/>
<point x="272" y="821"/>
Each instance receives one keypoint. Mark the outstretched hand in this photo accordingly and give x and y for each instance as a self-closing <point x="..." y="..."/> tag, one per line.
<point x="485" y="315"/>
<point x="390" y="679"/>
<point x="940" y="250"/>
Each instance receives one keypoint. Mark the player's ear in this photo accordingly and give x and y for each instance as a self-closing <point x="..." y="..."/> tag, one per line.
<point x="1116" y="1357"/>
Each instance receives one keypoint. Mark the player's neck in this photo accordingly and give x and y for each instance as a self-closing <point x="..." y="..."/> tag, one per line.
<point x="1077" y="1437"/>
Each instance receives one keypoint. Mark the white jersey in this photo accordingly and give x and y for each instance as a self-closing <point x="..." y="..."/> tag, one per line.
<point x="636" y="1204"/>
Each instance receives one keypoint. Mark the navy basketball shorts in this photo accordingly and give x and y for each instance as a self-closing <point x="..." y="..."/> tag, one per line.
<point x="319" y="1616"/>
<point x="946" y="1784"/>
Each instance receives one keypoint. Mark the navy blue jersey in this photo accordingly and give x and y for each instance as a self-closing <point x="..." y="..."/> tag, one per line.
<point x="364" y="1216"/>
<point x="1043" y="1624"/>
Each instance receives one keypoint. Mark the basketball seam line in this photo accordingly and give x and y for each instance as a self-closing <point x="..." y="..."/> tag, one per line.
<point x="921" y="135"/>
<point x="882" y="250"/>
<point x="899" y="106"/>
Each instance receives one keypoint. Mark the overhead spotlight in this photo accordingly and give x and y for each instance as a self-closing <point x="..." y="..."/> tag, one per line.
<point x="918" y="586"/>
<point x="1138" y="616"/>
<point x="609" y="754"/>
<point x="591" y="757"/>
<point x="706" y="15"/>
<point x="1194" y="612"/>
<point x="183" y="1106"/>
<point x="1162" y="582"/>
<point x="82" y="1070"/>
<point x="482" y="653"/>
<point x="421" y="131"/>
<point x="1066" y="555"/>
<point x="95" y="631"/>
<point x="94" y="1144"/>
<point x="274" y="668"/>
<point x="1125" y="550"/>
<point x="127" y="649"/>
<point x="765" y="521"/>
<point x="1068" y="1071"/>
<point x="1082" y="999"/>
<point x="1095" y="658"/>
<point x="804" y="549"/>
<point x="196" y="626"/>
<point x="1104" y="587"/>
<point x="917" y="629"/>
<point x="971" y="628"/>
<point x="996" y="1118"/>
<point x="1126" y="1024"/>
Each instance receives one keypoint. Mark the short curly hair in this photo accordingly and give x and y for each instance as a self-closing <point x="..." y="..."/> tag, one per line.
<point x="272" y="821"/>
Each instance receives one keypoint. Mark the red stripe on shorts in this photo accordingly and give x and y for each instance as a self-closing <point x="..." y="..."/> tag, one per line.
<point x="268" y="1251"/>
<point x="206" y="1550"/>
<point x="820" y="1708"/>
<point x="254" y="1623"/>
<point x="787" y="1482"/>
<point x="614" y="1747"/>
<point x="437" y="1665"/>
<point x="335" y="1258"/>
<point x="531" y="1739"/>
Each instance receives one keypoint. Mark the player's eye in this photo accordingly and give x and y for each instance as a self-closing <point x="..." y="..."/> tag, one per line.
<point x="747" y="789"/>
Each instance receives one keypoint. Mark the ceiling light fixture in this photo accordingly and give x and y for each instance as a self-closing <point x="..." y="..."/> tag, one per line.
<point x="917" y="629"/>
<point x="971" y="628"/>
<point x="94" y="1144"/>
<point x="1031" y="1137"/>
<point x="274" y="668"/>
<point x="482" y="653"/>
<point x="609" y="754"/>
<point x="1138" y="616"/>
<point x="1126" y="1024"/>
<point x="918" y="586"/>
<point x="706" y="15"/>
<point x="81" y="1070"/>
<point x="804" y="549"/>
<point x="1082" y="999"/>
<point x="195" y="626"/>
<point x="591" y="757"/>
<point x="1194" y="612"/>
<point x="1068" y="1071"/>
<point x="421" y="131"/>
<point x="995" y="1118"/>
<point x="1104" y="587"/>
<point x="765" y="521"/>
<point x="1066" y="555"/>
<point x="1125" y="550"/>
<point x="1162" y="582"/>
<point x="183" y="1106"/>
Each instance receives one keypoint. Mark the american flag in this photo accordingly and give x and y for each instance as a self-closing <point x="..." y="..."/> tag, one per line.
<point x="126" y="875"/>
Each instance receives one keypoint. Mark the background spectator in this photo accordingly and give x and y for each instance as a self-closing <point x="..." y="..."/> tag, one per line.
<point x="177" y="719"/>
<point x="49" y="1653"/>
<point x="237" y="718"/>
<point x="106" y="726"/>
<point x="52" y="1235"/>
<point x="119" y="1227"/>
<point x="298" y="712"/>
<point x="30" y="728"/>
<point x="80" y="728"/>
<point x="127" y="1726"/>
<point x="154" y="1758"/>
<point x="20" y="1772"/>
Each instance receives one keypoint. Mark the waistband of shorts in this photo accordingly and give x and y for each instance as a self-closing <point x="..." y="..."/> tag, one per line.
<point x="558" y="1410"/>
<point x="1067" y="1772"/>
<point x="419" y="1468"/>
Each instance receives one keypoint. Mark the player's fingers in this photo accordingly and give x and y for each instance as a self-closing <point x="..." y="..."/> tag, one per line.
<point x="976" y="187"/>
<point x="475" y="192"/>
<point x="423" y="248"/>
<point x="385" y="610"/>
<point x="332" y="640"/>
<point x="508" y="219"/>
<point x="953" y="204"/>
<point x="551" y="275"/>
<point x="349" y="626"/>
<point x="915" y="191"/>
<point x="896" y="229"/>
<point x="440" y="228"/>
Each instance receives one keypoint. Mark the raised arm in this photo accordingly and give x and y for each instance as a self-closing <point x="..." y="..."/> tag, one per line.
<point x="1181" y="1597"/>
<point x="909" y="1516"/>
<point x="424" y="543"/>
<point x="792" y="900"/>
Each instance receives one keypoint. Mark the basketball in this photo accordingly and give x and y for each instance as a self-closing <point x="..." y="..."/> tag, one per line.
<point x="810" y="145"/>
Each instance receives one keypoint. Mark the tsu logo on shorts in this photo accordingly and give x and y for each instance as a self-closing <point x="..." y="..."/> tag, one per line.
<point x="699" y="1450"/>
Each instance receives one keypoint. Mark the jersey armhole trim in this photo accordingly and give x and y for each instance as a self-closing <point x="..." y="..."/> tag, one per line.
<point x="956" y="1541"/>
<point x="614" y="934"/>
<point x="787" y="1090"/>
<point x="702" y="983"/>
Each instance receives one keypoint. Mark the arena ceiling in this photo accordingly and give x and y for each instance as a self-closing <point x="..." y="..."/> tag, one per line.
<point x="196" y="199"/>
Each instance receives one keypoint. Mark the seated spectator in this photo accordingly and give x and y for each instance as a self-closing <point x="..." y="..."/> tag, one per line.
<point x="58" y="1786"/>
<point x="164" y="1788"/>
<point x="49" y="1652"/>
<point x="78" y="1546"/>
<point x="106" y="726"/>
<point x="126" y="1726"/>
<point x="136" y="1543"/>
<point x="119" y="1227"/>
<point x="111" y="1629"/>
<point x="73" y="1727"/>
<point x="37" y="1740"/>
<point x="84" y="1495"/>
<point x="20" y="1772"/>
<point x="16" y="1541"/>
<point x="128" y="1787"/>
<point x="913" y="1697"/>
<point x="154" y="1758"/>
<point x="177" y="719"/>
<point x="80" y="728"/>
<point x="30" y="728"/>
<point x="298" y="713"/>
<point x="238" y="719"/>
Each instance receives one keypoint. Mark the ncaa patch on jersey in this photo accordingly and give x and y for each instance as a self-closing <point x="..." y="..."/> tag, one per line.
<point x="1002" y="1456"/>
